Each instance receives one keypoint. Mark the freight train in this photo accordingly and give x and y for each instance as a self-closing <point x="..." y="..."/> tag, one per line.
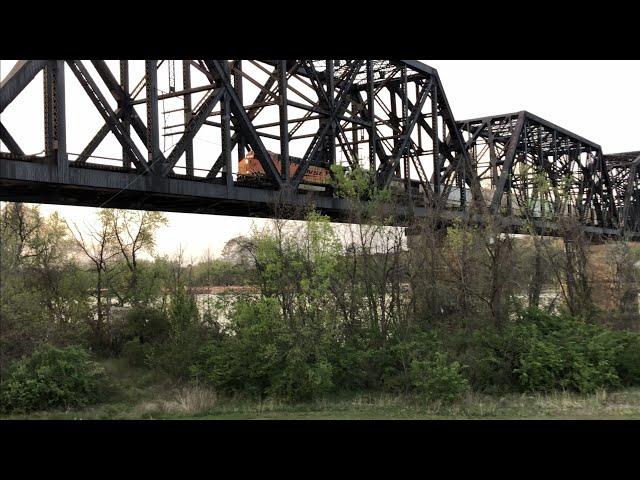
<point x="250" y="171"/>
<point x="318" y="178"/>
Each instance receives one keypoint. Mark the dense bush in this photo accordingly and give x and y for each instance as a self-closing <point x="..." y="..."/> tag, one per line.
<point x="176" y="355"/>
<point x="303" y="377"/>
<point x="491" y="357"/>
<point x="438" y="379"/>
<point x="394" y="359"/>
<point x="418" y="363"/>
<point x="566" y="353"/>
<point x="178" y="337"/>
<point x="352" y="364"/>
<point x="183" y="311"/>
<point x="261" y="357"/>
<point x="136" y="353"/>
<point x="52" y="377"/>
<point x="628" y="361"/>
<point x="543" y="352"/>
<point x="147" y="324"/>
<point x="144" y="328"/>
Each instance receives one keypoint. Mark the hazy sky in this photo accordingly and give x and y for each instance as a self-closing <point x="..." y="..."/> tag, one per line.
<point x="598" y="100"/>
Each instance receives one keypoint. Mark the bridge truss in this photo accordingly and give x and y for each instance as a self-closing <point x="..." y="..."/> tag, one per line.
<point x="391" y="117"/>
<point x="624" y="173"/>
<point x="531" y="164"/>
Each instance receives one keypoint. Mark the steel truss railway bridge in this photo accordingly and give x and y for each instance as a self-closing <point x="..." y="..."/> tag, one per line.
<point x="391" y="117"/>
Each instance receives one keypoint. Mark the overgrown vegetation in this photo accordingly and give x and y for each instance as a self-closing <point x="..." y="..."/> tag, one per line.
<point x="52" y="377"/>
<point x="444" y="316"/>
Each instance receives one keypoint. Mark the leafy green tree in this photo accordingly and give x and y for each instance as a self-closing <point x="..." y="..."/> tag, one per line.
<point x="133" y="233"/>
<point x="42" y="293"/>
<point x="97" y="244"/>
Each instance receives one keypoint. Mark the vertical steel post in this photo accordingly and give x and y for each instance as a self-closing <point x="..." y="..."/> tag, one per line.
<point x="54" y="116"/>
<point x="493" y="159"/>
<point x="436" y="141"/>
<point x="355" y="146"/>
<point x="237" y="85"/>
<point x="48" y="95"/>
<point x="124" y="84"/>
<point x="60" y="121"/>
<point x="626" y="222"/>
<point x="461" y="182"/>
<point x="417" y="91"/>
<point x="394" y="117"/>
<point x="372" y="128"/>
<point x="225" y="137"/>
<point x="188" y="113"/>
<point x="405" y="128"/>
<point x="153" y="128"/>
<point x="284" y="120"/>
<point x="225" y="128"/>
<point x="331" y="134"/>
<point x="536" y="194"/>
<point x="557" y="207"/>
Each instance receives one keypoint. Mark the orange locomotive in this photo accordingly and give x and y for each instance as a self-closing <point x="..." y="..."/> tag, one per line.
<point x="250" y="169"/>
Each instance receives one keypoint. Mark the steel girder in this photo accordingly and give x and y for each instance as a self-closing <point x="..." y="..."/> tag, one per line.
<point x="624" y="173"/>
<point x="391" y="117"/>
<point x="531" y="167"/>
<point x="396" y="109"/>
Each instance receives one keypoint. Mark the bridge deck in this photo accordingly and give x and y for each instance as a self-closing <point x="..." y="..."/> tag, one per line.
<point x="41" y="183"/>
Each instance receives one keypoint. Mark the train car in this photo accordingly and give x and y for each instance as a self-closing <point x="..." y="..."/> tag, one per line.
<point x="453" y="199"/>
<point x="250" y="171"/>
<point x="317" y="178"/>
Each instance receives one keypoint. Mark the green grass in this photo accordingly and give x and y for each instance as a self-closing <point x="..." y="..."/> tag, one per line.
<point x="559" y="406"/>
<point x="139" y="393"/>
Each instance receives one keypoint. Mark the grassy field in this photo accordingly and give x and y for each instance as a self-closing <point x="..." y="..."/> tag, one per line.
<point x="142" y="394"/>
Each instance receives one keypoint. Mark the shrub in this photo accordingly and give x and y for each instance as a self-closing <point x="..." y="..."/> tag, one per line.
<point x="302" y="378"/>
<point x="176" y="355"/>
<point x="349" y="362"/>
<point x="539" y="351"/>
<point x="566" y="353"/>
<point x="52" y="377"/>
<point x="491" y="357"/>
<point x="147" y="324"/>
<point x="437" y="379"/>
<point x="391" y="363"/>
<point x="241" y="362"/>
<point x="183" y="311"/>
<point x="135" y="353"/>
<point x="627" y="361"/>
<point x="262" y="357"/>
<point x="24" y="323"/>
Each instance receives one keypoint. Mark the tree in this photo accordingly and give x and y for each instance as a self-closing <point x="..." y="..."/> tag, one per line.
<point x="374" y="268"/>
<point x="236" y="251"/>
<point x="578" y="298"/>
<point x="20" y="226"/>
<point x="41" y="290"/>
<point x="99" y="246"/>
<point x="134" y="234"/>
<point x="624" y="263"/>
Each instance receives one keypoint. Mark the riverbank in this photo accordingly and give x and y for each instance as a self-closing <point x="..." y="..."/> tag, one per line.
<point x="143" y="394"/>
